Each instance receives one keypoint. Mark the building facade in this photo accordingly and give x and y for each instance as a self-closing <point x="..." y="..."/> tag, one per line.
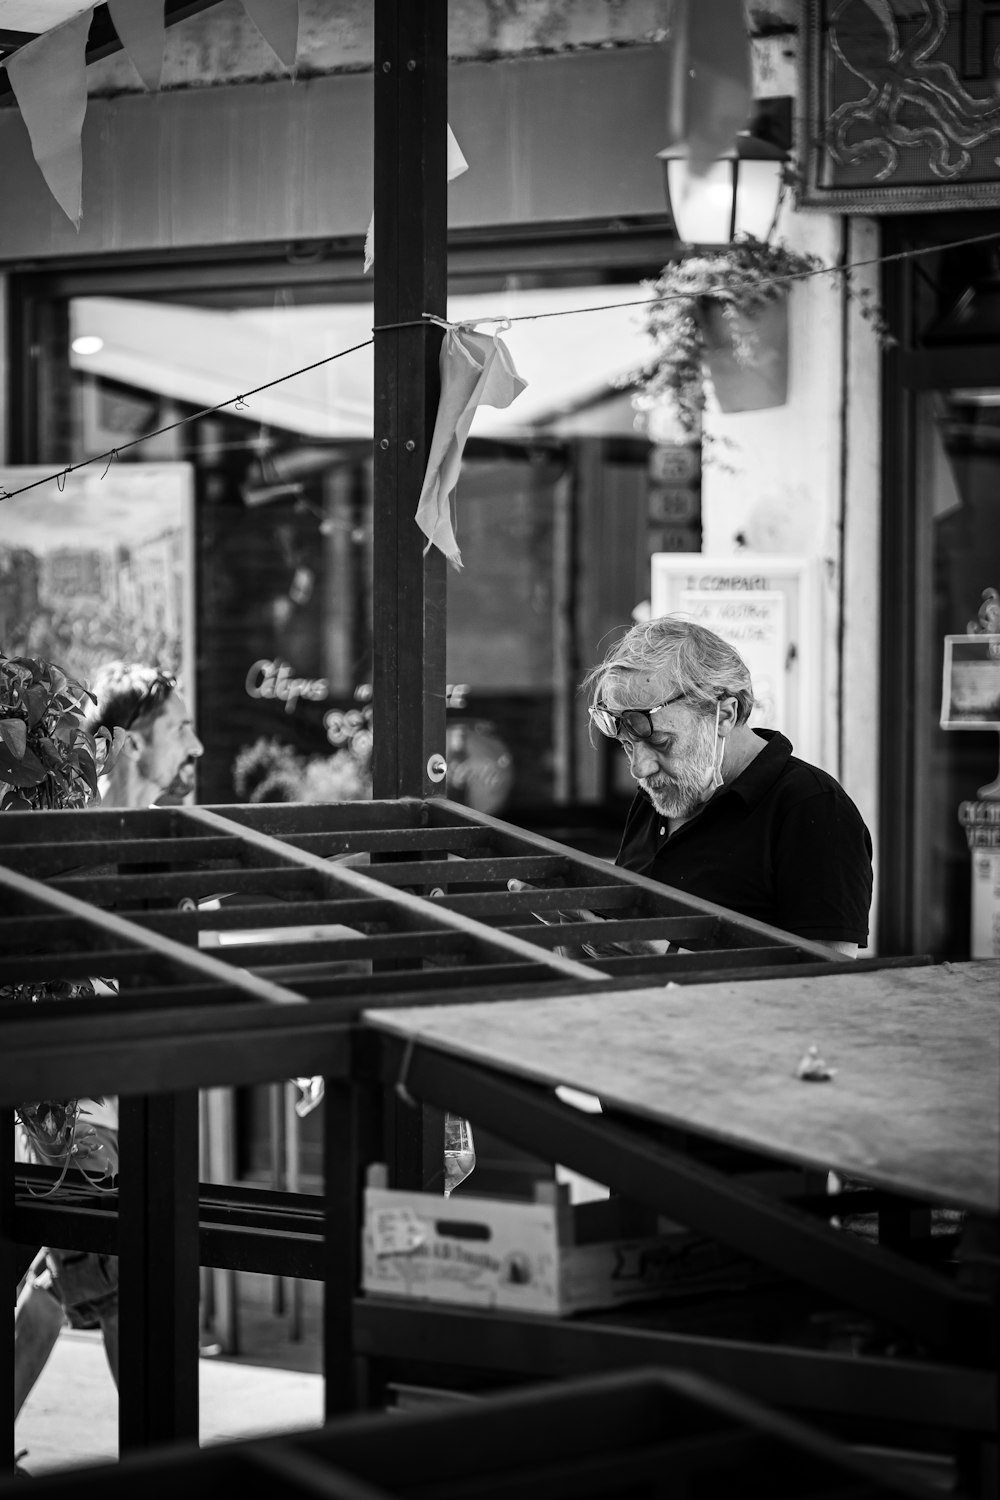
<point x="221" y="248"/>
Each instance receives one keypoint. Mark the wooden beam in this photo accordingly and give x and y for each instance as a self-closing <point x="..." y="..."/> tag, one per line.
<point x="403" y="905"/>
<point x="109" y="925"/>
<point x="409" y="594"/>
<point x="158" y="1269"/>
<point x="11" y="40"/>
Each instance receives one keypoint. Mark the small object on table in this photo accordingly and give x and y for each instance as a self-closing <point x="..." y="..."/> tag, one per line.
<point x="813" y="1069"/>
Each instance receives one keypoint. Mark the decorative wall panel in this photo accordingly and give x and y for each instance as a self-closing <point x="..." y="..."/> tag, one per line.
<point x="901" y="105"/>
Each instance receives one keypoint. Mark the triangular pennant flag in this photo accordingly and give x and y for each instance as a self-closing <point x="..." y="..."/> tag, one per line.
<point x="476" y="370"/>
<point x="278" y="23"/>
<point x="49" y="79"/>
<point x="455" y="166"/>
<point x="139" y="24"/>
<point x="710" y="88"/>
<point x="456" y="163"/>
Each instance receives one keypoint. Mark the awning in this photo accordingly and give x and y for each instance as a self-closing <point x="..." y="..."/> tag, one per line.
<point x="204" y="356"/>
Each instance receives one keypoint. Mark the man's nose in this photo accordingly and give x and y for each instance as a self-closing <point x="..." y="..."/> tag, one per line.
<point x="642" y="759"/>
<point x="194" y="743"/>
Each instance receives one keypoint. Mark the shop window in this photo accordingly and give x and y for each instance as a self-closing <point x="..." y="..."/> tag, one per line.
<point x="958" y="476"/>
<point x="555" y="511"/>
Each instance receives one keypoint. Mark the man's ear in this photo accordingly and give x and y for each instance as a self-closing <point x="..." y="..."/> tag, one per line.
<point x="133" y="744"/>
<point x="728" y="711"/>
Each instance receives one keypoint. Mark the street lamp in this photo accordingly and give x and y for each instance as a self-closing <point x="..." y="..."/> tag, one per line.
<point x="740" y="193"/>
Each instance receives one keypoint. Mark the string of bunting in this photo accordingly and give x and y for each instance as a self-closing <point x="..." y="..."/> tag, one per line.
<point x="240" y="401"/>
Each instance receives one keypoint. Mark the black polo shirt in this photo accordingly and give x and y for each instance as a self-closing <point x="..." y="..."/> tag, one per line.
<point x="782" y="843"/>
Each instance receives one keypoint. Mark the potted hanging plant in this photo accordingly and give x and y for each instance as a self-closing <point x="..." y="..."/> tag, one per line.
<point x="49" y="758"/>
<point x="720" y="315"/>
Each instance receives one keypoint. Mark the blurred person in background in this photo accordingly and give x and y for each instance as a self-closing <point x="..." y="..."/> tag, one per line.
<point x="157" y="751"/>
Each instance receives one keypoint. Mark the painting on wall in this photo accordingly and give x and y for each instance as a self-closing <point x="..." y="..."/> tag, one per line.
<point x="97" y="568"/>
<point x="901" y="105"/>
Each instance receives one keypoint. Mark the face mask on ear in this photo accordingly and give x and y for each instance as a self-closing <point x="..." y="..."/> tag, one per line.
<point x="716" y="778"/>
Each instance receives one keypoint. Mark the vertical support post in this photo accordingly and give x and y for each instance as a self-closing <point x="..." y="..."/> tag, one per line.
<point x="220" y="1304"/>
<point x="158" y="1269"/>
<point x="411" y="277"/>
<point x="8" y="1271"/>
<point x="408" y="594"/>
<point x="352" y="1138"/>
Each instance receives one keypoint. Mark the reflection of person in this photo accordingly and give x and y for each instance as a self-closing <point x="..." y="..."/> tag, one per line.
<point x="155" y="763"/>
<point x="723" y="811"/>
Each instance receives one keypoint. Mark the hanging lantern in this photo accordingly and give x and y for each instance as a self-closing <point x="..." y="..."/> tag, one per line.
<point x="740" y="194"/>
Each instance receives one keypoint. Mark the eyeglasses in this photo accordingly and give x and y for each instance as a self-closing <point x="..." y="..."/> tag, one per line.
<point x="159" y="690"/>
<point x="637" y="723"/>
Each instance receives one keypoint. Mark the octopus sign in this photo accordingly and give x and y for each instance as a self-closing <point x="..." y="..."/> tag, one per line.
<point x="903" y="103"/>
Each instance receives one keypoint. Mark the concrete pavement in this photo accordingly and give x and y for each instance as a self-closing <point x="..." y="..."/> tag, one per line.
<point x="71" y="1416"/>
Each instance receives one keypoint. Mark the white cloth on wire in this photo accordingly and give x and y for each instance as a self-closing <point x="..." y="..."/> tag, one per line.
<point x="476" y="370"/>
<point x="455" y="166"/>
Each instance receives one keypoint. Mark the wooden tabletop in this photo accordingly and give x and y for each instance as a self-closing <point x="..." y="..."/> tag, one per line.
<point x="914" y="1104"/>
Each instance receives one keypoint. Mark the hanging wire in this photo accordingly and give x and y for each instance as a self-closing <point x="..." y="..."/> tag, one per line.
<point x="196" y="416"/>
<point x="506" y="320"/>
<point x="844" y="270"/>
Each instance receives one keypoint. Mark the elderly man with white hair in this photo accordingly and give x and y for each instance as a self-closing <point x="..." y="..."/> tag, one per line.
<point x="723" y="811"/>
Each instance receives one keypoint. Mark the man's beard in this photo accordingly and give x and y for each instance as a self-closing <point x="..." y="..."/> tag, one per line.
<point x="182" y="783"/>
<point x="678" y="796"/>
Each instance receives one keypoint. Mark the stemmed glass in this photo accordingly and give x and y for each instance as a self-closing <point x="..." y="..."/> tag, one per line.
<point x="459" y="1152"/>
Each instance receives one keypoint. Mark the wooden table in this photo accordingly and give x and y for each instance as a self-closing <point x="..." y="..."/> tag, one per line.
<point x="914" y="1104"/>
<point x="707" y="1120"/>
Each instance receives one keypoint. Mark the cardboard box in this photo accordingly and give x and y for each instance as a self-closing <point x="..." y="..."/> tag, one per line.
<point x="536" y="1257"/>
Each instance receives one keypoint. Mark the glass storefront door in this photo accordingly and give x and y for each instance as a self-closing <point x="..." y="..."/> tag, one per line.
<point x="939" y="834"/>
<point x="958" y="740"/>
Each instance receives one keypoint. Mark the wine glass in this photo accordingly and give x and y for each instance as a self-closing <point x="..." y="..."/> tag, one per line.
<point x="459" y="1152"/>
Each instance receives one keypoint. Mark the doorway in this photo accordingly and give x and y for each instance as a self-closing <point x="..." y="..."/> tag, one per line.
<point x="940" y="872"/>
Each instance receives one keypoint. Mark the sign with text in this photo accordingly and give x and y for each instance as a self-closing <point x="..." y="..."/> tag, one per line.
<point x="766" y="608"/>
<point x="755" y="625"/>
<point x="985" y="941"/>
<point x="970" y="690"/>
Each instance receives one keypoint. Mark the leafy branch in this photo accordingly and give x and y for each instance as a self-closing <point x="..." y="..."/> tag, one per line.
<point x="48" y="755"/>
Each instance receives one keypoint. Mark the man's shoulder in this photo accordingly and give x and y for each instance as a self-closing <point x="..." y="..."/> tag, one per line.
<point x="803" y="784"/>
<point x="808" y="779"/>
<point x="782" y="772"/>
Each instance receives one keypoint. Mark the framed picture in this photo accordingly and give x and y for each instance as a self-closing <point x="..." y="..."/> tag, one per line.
<point x="97" y="568"/>
<point x="900" y="106"/>
<point x="970" y="690"/>
<point x="766" y="607"/>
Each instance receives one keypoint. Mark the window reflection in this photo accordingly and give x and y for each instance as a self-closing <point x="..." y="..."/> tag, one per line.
<point x="959" y="495"/>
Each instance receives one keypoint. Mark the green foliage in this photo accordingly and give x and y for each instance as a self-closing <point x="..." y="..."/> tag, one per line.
<point x="48" y="758"/>
<point x="742" y="278"/>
